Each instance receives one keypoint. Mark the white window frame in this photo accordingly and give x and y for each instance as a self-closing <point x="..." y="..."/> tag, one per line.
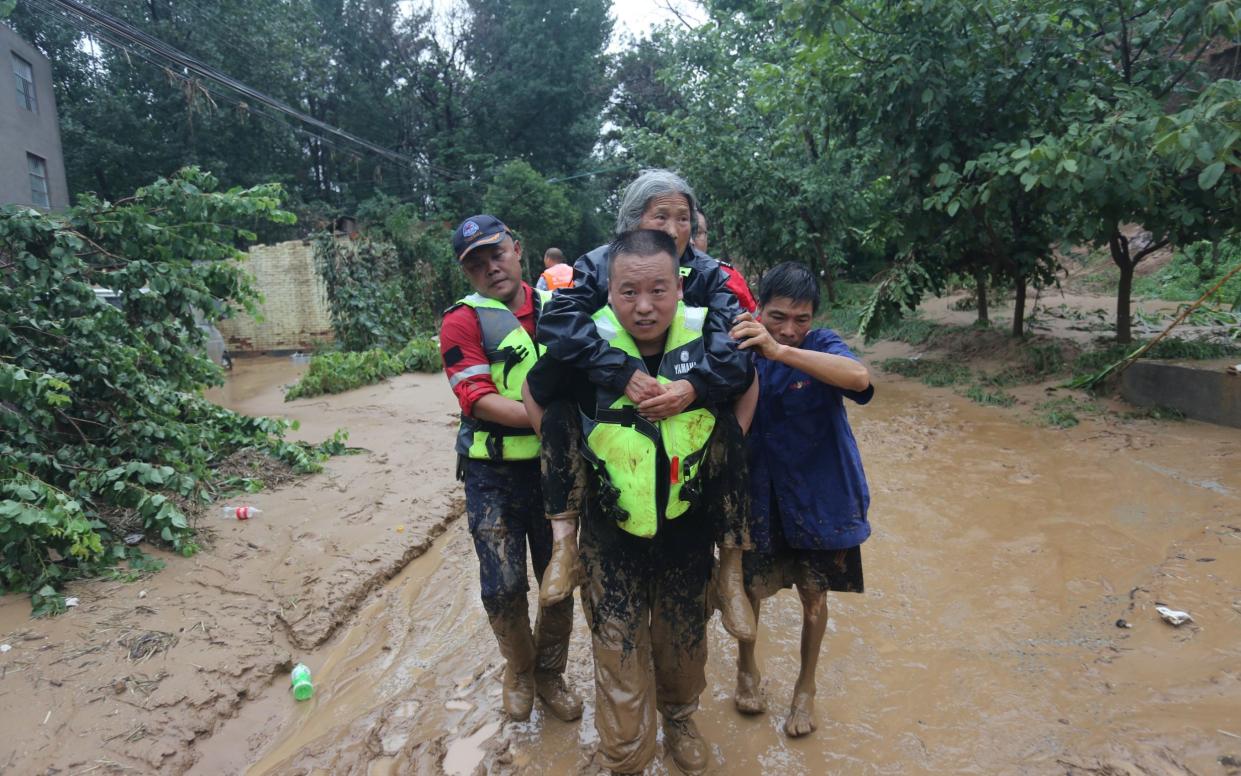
<point x="24" y="81"/>
<point x="40" y="192"/>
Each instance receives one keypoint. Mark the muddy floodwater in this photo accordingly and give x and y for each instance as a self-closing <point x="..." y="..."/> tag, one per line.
<point x="1003" y="556"/>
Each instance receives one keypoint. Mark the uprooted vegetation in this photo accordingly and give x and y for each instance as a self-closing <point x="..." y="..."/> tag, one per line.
<point x="106" y="432"/>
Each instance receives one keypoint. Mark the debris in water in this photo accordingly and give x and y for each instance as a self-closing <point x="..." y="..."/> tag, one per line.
<point x="1173" y="616"/>
<point x="5" y="647"/>
<point x="458" y="705"/>
<point x="1123" y="623"/>
<point x="303" y="689"/>
<point x="71" y="601"/>
<point x="300" y="358"/>
<point x="399" y="528"/>
<point x="144" y="644"/>
<point x="142" y="594"/>
<point x="133" y="538"/>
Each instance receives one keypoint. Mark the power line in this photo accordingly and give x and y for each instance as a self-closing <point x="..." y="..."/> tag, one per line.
<point x="130" y="33"/>
<point x="92" y="21"/>
<point x="216" y="93"/>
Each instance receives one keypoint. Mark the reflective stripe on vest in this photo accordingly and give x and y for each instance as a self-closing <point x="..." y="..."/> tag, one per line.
<point x="511" y="353"/>
<point x="624" y="447"/>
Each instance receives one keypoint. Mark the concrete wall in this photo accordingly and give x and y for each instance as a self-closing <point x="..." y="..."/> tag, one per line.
<point x="1202" y="393"/>
<point x="23" y="131"/>
<point x="295" y="311"/>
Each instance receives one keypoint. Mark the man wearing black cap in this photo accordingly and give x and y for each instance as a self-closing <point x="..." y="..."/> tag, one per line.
<point x="486" y="341"/>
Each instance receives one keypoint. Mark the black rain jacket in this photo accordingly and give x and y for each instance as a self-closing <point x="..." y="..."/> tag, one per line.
<point x="566" y="329"/>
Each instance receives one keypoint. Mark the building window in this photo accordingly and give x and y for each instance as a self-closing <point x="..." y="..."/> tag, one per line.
<point x="23" y="74"/>
<point x="38" y="180"/>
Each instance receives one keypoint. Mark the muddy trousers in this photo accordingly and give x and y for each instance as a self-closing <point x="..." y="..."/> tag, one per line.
<point x="646" y="604"/>
<point x="504" y="508"/>
<point x="725" y="475"/>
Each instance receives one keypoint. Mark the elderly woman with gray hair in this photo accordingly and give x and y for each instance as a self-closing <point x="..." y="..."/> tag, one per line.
<point x="662" y="201"/>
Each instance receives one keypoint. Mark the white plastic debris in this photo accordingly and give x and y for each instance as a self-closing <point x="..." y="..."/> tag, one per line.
<point x="73" y="601"/>
<point x="1173" y="616"/>
<point x="5" y="647"/>
<point x="142" y="594"/>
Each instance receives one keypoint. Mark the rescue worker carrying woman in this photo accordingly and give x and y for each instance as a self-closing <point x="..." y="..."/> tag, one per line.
<point x="663" y="201"/>
<point x="650" y="495"/>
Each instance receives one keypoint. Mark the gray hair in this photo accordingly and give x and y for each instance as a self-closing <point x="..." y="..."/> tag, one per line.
<point x="647" y="186"/>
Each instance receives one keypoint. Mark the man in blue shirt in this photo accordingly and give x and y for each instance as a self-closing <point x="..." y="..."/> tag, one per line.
<point x="807" y="489"/>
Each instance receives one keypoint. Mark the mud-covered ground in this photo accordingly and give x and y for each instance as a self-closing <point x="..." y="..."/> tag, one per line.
<point x="1003" y="556"/>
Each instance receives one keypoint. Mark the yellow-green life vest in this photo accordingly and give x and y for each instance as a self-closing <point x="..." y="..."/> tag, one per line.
<point x="511" y="353"/>
<point x="624" y="447"/>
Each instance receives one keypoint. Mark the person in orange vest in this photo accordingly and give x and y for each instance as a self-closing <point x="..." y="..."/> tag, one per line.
<point x="556" y="273"/>
<point x="734" y="281"/>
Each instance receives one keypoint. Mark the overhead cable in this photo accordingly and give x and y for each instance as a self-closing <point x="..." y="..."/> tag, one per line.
<point x="130" y="33"/>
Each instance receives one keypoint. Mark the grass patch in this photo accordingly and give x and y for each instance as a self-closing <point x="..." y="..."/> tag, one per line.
<point x="1064" y="412"/>
<point x="1191" y="349"/>
<point x="912" y="329"/>
<point x="930" y="371"/>
<point x="1034" y="363"/>
<point x="1157" y="412"/>
<point x="344" y="370"/>
<point x="980" y="394"/>
<point x="1192" y="272"/>
<point x="1092" y="361"/>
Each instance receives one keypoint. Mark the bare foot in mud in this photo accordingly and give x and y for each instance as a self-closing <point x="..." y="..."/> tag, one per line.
<point x="749" y="696"/>
<point x="800" y="721"/>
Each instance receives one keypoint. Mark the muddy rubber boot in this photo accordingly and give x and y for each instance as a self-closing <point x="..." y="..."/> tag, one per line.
<point x="686" y="745"/>
<point x="624" y="708"/>
<point x="562" y="702"/>
<point x="512" y="631"/>
<point x="564" y="570"/>
<point x="730" y="598"/>
<point x="551" y="638"/>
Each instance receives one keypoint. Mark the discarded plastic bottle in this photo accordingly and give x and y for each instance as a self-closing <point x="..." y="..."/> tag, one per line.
<point x="241" y="513"/>
<point x="303" y="690"/>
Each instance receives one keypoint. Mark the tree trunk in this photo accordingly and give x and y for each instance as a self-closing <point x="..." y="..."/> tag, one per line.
<point x="831" y="285"/>
<point x="1019" y="309"/>
<point x="1124" y="335"/>
<point x="819" y="263"/>
<point x="980" y="279"/>
<point x="823" y="269"/>
<point x="1119" y="245"/>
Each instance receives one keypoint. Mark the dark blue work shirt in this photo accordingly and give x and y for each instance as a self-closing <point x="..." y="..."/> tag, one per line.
<point x="803" y="456"/>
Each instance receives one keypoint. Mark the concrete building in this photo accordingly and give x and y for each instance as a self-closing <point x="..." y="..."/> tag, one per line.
<point x="32" y="165"/>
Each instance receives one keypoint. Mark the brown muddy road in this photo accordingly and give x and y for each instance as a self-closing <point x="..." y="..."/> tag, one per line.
<point x="1003" y="555"/>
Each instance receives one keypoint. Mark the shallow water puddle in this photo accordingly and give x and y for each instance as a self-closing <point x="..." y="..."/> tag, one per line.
<point x="465" y="754"/>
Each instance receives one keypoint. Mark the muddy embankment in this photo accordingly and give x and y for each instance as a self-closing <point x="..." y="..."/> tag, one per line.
<point x="138" y="673"/>
<point x="1003" y="555"/>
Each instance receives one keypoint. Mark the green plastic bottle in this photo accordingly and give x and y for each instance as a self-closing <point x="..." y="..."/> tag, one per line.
<point x="303" y="690"/>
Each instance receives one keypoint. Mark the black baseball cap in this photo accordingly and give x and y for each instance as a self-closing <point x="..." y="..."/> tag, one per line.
<point x="475" y="231"/>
